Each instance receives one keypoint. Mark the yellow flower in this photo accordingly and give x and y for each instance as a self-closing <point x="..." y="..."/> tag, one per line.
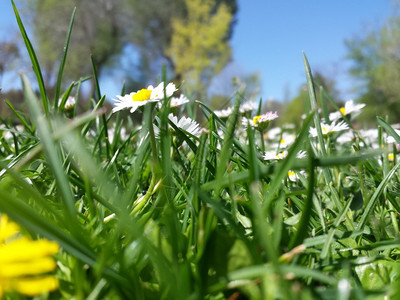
<point x="24" y="263"/>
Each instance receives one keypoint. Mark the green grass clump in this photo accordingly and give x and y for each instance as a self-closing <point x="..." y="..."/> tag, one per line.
<point x="175" y="215"/>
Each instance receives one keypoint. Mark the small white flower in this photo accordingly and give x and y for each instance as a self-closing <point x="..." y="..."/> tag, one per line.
<point x="175" y="102"/>
<point x="390" y="139"/>
<point x="248" y="106"/>
<point x="349" y="107"/>
<point x="261" y="120"/>
<point x="69" y="104"/>
<point x="187" y="124"/>
<point x="271" y="155"/>
<point x="345" y="137"/>
<point x="273" y="133"/>
<point x="328" y="129"/>
<point x="301" y="154"/>
<point x="293" y="176"/>
<point x="224" y="113"/>
<point x="144" y="96"/>
<point x="286" y="140"/>
<point x="391" y="157"/>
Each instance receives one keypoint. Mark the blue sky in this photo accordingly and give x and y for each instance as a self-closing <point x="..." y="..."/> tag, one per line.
<point x="270" y="36"/>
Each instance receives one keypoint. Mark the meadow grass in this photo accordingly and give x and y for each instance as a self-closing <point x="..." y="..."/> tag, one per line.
<point x="175" y="215"/>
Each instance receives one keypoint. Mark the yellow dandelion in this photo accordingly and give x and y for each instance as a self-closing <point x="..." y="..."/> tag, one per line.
<point x="24" y="263"/>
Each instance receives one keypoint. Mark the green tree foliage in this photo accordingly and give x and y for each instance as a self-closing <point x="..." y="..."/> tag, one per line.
<point x="98" y="31"/>
<point x="376" y="64"/>
<point x="104" y="29"/>
<point x="199" y="46"/>
<point x="299" y="105"/>
<point x="9" y="53"/>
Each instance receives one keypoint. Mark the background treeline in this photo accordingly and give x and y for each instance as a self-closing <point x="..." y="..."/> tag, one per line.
<point x="131" y="39"/>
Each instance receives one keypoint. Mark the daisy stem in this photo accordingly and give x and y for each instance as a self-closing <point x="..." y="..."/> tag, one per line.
<point x="153" y="139"/>
<point x="142" y="201"/>
<point x="262" y="140"/>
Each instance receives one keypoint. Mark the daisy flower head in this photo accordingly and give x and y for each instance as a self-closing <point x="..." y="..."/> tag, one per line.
<point x="25" y="263"/>
<point x="286" y="140"/>
<point x="390" y="139"/>
<point x="271" y="155"/>
<point x="69" y="103"/>
<point x="248" y="106"/>
<point x="293" y="176"/>
<point x="135" y="99"/>
<point x="224" y="113"/>
<point x="262" y="121"/>
<point x="348" y="108"/>
<point x="176" y="102"/>
<point x="329" y="129"/>
<point x="187" y="124"/>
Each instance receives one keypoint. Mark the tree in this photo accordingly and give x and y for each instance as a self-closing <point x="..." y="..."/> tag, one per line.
<point x="98" y="30"/>
<point x="9" y="54"/>
<point x="104" y="28"/>
<point x="199" y="46"/>
<point x="376" y="64"/>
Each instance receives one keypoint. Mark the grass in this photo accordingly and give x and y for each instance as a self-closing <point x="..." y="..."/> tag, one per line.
<point x="181" y="216"/>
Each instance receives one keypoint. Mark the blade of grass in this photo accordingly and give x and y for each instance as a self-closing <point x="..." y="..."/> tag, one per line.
<point x="51" y="151"/>
<point x="375" y="197"/>
<point x="302" y="231"/>
<point x="34" y="60"/>
<point x="63" y="59"/>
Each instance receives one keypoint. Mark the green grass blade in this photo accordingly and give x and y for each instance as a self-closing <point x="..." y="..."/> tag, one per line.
<point x="389" y="129"/>
<point x="63" y="59"/>
<point x="302" y="231"/>
<point x="51" y="152"/>
<point x="34" y="60"/>
<point x="375" y="197"/>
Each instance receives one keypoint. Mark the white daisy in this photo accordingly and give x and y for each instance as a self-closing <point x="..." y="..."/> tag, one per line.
<point x="301" y="154"/>
<point x="187" y="124"/>
<point x="286" y="140"/>
<point x="390" y="139"/>
<point x="224" y="113"/>
<point x="175" y="101"/>
<point x="349" y="107"/>
<point x="261" y="120"/>
<point x="329" y="129"/>
<point x="144" y="96"/>
<point x="274" y="133"/>
<point x="69" y="104"/>
<point x="271" y="155"/>
<point x="293" y="176"/>
<point x="248" y="106"/>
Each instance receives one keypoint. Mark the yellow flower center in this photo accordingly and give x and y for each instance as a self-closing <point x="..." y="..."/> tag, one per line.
<point x="343" y="110"/>
<point x="255" y="119"/>
<point x="324" y="131"/>
<point x="290" y="173"/>
<point x="391" y="156"/>
<point x="283" y="141"/>
<point x="142" y="95"/>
